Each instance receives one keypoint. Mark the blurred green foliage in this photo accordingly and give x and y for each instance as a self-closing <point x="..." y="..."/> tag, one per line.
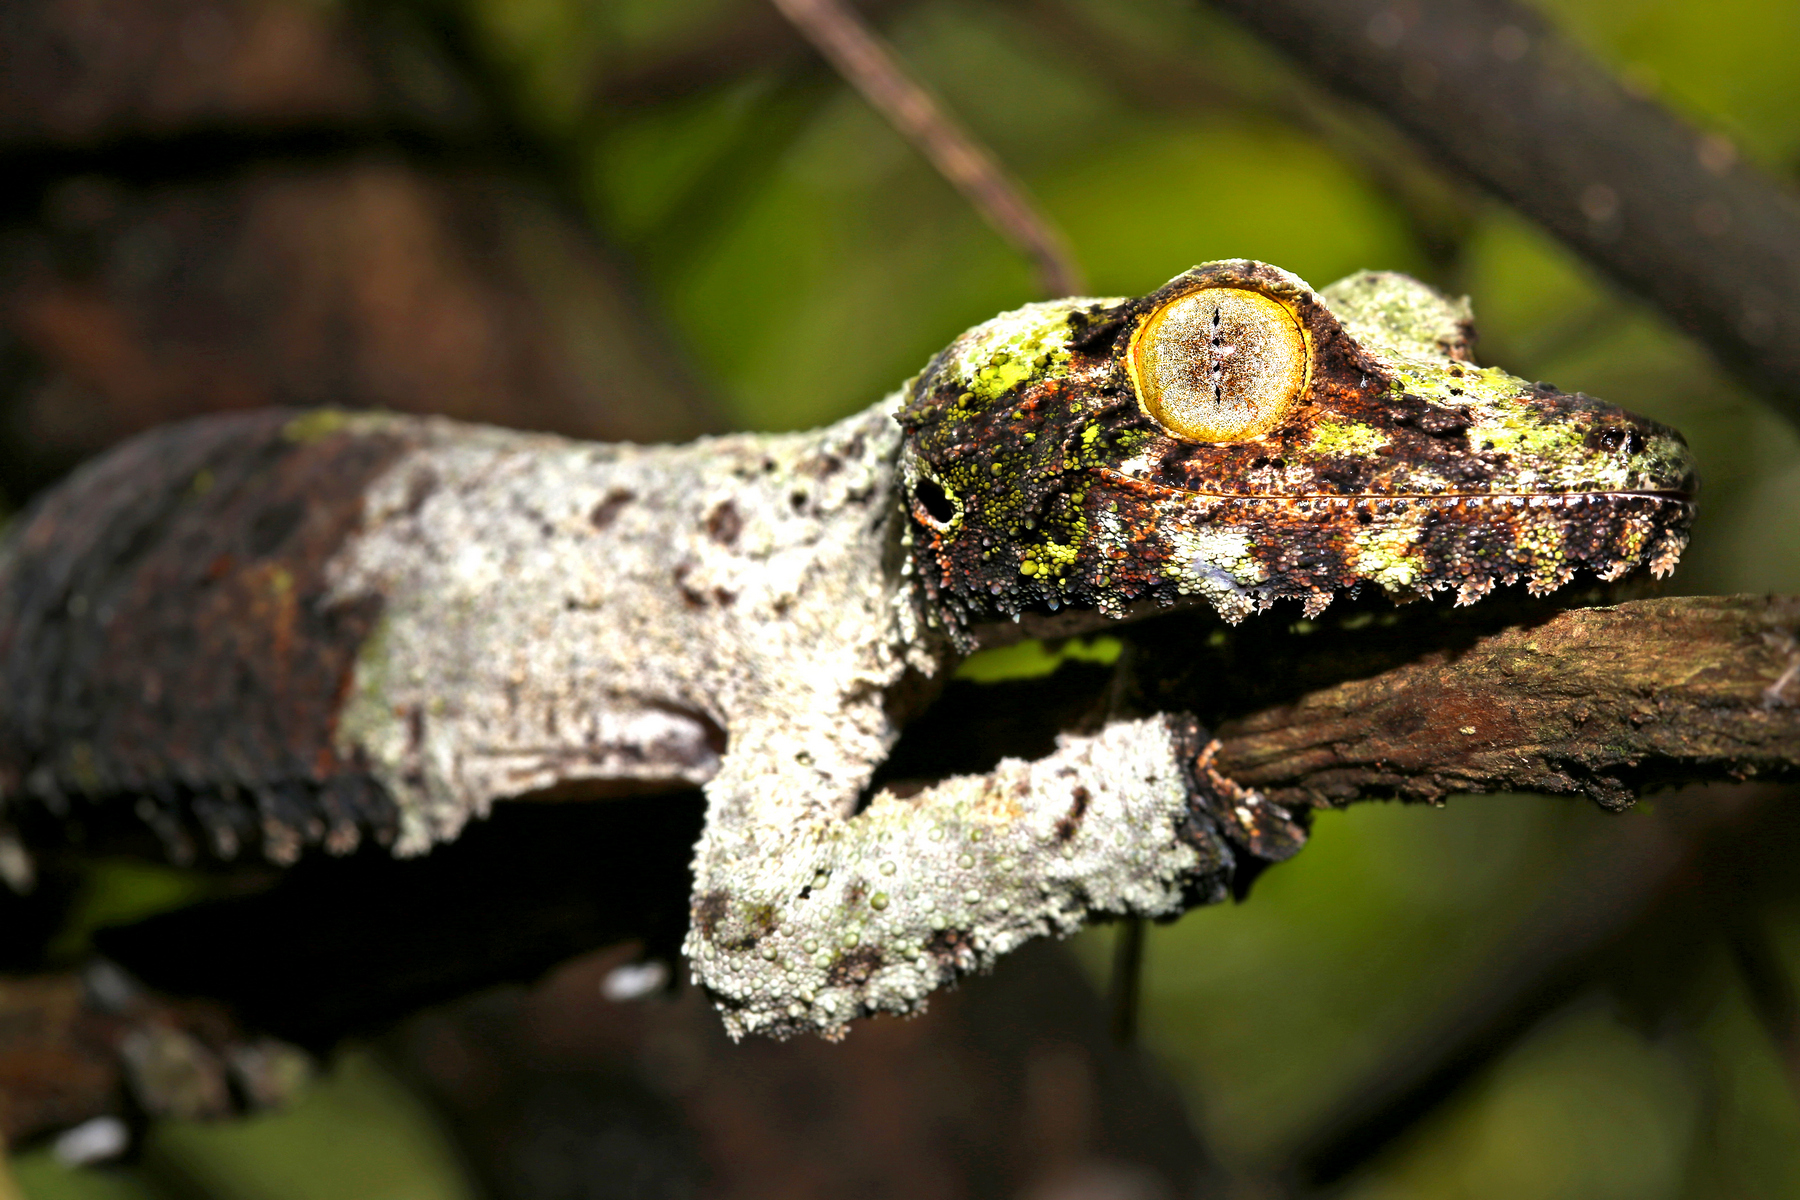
<point x="118" y="891"/>
<point x="810" y="262"/>
<point x="357" y="1132"/>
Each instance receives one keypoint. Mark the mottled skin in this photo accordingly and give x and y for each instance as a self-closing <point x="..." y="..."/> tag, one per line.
<point x="1038" y="482"/>
<point x="296" y="632"/>
<point x="1042" y="492"/>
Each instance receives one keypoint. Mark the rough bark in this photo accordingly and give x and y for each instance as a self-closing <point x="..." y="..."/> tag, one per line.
<point x="1420" y="702"/>
<point x="1605" y="702"/>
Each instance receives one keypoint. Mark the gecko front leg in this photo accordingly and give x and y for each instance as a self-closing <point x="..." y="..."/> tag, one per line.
<point x="807" y="926"/>
<point x="1233" y="438"/>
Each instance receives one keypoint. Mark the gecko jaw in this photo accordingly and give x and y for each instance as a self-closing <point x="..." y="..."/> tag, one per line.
<point x="1340" y="500"/>
<point x="1311" y="546"/>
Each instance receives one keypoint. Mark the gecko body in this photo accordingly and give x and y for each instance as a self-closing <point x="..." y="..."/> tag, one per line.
<point x="493" y="615"/>
<point x="1302" y="445"/>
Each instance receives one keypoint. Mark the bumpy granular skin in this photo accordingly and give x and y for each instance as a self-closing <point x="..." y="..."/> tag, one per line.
<point x="1038" y="481"/>
<point x="428" y="617"/>
<point x="1040" y="487"/>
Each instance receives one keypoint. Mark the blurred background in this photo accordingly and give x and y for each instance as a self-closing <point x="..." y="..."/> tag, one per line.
<point x="648" y="219"/>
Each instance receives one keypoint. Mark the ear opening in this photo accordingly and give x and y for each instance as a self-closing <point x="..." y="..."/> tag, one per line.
<point x="936" y="503"/>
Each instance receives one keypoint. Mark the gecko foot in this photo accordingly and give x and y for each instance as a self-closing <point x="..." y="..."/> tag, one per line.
<point x="805" y="928"/>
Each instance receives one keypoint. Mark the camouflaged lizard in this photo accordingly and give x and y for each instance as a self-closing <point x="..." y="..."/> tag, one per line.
<point x="519" y="615"/>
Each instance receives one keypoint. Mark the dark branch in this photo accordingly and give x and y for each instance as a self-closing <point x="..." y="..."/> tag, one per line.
<point x="1427" y="701"/>
<point x="1607" y="702"/>
<point x="1499" y="95"/>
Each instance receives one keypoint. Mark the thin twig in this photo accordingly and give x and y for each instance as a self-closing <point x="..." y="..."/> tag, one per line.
<point x="1767" y="982"/>
<point x="1126" y="986"/>
<point x="868" y="64"/>
<point x="735" y="43"/>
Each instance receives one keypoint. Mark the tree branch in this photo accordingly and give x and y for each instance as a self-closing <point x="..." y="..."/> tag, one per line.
<point x="1426" y="701"/>
<point x="1607" y="702"/>
<point x="1496" y="93"/>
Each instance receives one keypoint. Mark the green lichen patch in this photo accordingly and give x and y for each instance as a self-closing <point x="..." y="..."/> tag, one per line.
<point x="1030" y="343"/>
<point x="1396" y="315"/>
<point x="315" y="425"/>
<point x="1346" y="437"/>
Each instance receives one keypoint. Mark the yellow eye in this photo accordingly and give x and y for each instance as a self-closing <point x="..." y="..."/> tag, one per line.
<point x="1218" y="365"/>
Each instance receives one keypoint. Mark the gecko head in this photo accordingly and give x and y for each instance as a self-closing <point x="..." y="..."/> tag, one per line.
<point x="1237" y="436"/>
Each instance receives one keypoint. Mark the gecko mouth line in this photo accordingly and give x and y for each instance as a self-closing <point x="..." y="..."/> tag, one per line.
<point x="1477" y="499"/>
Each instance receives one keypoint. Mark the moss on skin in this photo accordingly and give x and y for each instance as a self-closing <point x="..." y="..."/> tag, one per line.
<point x="315" y="425"/>
<point x="1402" y="464"/>
<point x="1028" y="343"/>
<point x="1343" y="437"/>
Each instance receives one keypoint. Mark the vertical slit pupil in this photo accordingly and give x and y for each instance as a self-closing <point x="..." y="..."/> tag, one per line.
<point x="1218" y="364"/>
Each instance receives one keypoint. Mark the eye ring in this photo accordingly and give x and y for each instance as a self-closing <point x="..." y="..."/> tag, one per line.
<point x="1219" y="364"/>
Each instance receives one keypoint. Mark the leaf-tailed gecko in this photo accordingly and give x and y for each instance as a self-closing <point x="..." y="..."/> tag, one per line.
<point x="493" y="615"/>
